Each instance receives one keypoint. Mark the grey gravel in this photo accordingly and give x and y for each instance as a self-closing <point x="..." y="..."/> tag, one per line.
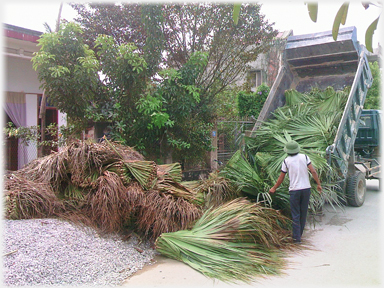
<point x="53" y="252"/>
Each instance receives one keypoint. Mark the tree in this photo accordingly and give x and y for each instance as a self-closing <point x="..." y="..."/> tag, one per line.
<point x="210" y="27"/>
<point x="184" y="29"/>
<point x="67" y="69"/>
<point x="125" y="80"/>
<point x="372" y="100"/>
<point x="43" y="109"/>
<point x="158" y="93"/>
<point x="126" y="23"/>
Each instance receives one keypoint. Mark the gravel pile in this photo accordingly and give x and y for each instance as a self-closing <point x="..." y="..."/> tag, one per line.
<point x="56" y="252"/>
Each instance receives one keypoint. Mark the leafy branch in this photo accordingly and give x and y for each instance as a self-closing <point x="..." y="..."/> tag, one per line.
<point x="341" y="18"/>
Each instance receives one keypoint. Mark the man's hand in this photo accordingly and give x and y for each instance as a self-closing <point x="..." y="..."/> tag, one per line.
<point x="319" y="188"/>
<point x="272" y="190"/>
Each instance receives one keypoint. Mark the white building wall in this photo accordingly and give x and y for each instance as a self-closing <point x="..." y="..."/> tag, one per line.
<point x="20" y="76"/>
<point x="31" y="120"/>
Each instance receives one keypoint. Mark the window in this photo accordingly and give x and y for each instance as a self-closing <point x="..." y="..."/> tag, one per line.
<point x="255" y="78"/>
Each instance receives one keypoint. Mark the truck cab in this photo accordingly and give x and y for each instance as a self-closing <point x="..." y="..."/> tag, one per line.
<point x="367" y="141"/>
<point x="367" y="144"/>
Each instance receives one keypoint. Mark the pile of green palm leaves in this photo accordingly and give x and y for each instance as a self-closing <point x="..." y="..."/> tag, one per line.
<point x="312" y="120"/>
<point x="234" y="241"/>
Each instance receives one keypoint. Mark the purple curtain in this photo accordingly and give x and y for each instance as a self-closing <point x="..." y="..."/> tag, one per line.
<point x="15" y="107"/>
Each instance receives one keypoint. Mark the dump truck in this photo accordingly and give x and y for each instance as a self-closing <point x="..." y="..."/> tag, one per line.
<point x="317" y="60"/>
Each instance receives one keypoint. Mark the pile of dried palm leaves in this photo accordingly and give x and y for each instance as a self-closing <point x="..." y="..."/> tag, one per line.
<point x="104" y="185"/>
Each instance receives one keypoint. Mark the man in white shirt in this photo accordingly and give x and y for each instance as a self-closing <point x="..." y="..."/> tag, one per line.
<point x="297" y="165"/>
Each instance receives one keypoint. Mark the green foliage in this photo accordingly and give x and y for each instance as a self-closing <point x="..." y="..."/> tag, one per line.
<point x="31" y="134"/>
<point x="250" y="104"/>
<point x="172" y="28"/>
<point x="373" y="97"/>
<point x="226" y="103"/>
<point x="174" y="114"/>
<point x="67" y="69"/>
<point x="341" y="18"/>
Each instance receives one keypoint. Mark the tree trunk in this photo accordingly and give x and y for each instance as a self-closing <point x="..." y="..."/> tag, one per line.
<point x="43" y="110"/>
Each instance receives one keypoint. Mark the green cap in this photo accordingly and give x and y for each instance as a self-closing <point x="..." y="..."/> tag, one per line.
<point x="292" y="147"/>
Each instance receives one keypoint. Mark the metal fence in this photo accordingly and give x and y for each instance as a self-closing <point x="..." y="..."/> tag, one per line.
<point x="230" y="137"/>
<point x="17" y="154"/>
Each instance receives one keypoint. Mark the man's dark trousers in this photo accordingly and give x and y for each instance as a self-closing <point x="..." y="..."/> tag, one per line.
<point x="299" y="200"/>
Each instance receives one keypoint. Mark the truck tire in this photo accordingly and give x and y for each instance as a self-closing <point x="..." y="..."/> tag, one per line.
<point x="356" y="189"/>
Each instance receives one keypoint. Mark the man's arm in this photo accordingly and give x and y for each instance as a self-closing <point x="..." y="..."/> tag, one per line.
<point x="278" y="182"/>
<point x="315" y="176"/>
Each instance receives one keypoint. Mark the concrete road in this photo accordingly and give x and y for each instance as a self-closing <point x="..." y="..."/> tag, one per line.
<point x="345" y="252"/>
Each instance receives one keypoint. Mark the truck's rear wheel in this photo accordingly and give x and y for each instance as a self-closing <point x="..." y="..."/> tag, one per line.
<point x="356" y="189"/>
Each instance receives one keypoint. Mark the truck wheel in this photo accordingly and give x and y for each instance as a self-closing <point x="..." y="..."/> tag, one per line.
<point x="356" y="189"/>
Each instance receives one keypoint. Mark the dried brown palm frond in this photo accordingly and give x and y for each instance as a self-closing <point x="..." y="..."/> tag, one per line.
<point x="105" y="206"/>
<point x="87" y="157"/>
<point x="51" y="169"/>
<point x="90" y="181"/>
<point x="126" y="153"/>
<point x="73" y="195"/>
<point x="117" y="211"/>
<point x="160" y="213"/>
<point x="170" y="171"/>
<point x="278" y="223"/>
<point x="120" y="152"/>
<point x="192" y="185"/>
<point x="217" y="189"/>
<point x="25" y="199"/>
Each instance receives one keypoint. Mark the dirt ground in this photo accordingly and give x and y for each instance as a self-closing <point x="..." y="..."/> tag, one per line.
<point x="345" y="251"/>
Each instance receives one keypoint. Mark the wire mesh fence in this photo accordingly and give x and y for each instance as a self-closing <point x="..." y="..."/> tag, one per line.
<point x="230" y="137"/>
<point x="17" y="154"/>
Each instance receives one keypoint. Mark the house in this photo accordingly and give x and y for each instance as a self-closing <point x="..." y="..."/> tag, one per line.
<point x="22" y="93"/>
<point x="267" y="65"/>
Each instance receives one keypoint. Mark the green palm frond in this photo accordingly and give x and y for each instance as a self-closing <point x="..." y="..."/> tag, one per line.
<point x="233" y="242"/>
<point x="312" y="120"/>
<point x="144" y="172"/>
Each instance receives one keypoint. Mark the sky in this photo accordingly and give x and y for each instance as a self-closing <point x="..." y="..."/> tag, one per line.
<point x="286" y="15"/>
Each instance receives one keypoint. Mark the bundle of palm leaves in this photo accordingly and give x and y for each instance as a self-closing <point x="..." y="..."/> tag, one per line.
<point x="144" y="172"/>
<point x="215" y="189"/>
<point x="180" y="191"/>
<point x="246" y="177"/>
<point x="230" y="242"/>
<point x="170" y="172"/>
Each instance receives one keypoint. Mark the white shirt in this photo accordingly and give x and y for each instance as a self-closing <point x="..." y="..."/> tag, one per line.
<point x="297" y="168"/>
